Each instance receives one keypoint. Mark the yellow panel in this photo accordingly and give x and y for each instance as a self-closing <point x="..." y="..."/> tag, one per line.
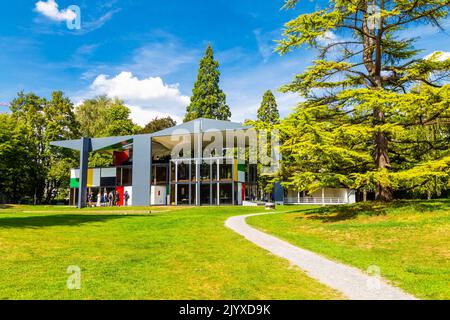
<point x="235" y="171"/>
<point x="90" y="177"/>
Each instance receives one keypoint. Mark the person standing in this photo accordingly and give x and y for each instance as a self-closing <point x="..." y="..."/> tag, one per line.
<point x="91" y="199"/>
<point x="99" y="198"/>
<point x="111" y="199"/>
<point x="117" y="197"/>
<point x="105" y="198"/>
<point x="126" y="197"/>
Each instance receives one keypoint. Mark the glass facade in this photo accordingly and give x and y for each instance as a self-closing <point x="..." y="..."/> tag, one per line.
<point x="123" y="176"/>
<point x="183" y="197"/>
<point x="160" y="174"/>
<point x="216" y="183"/>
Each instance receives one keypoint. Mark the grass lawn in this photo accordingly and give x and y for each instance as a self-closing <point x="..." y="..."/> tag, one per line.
<point x="183" y="253"/>
<point x="408" y="241"/>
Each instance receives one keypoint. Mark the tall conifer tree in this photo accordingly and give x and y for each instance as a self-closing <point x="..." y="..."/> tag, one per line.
<point x="208" y="100"/>
<point x="370" y="96"/>
<point x="268" y="111"/>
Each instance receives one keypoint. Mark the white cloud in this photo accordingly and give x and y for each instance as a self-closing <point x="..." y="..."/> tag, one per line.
<point x="327" y="38"/>
<point x="266" y="43"/>
<point x="438" y="56"/>
<point x="142" y="116"/>
<point x="146" y="98"/>
<point x="50" y="9"/>
<point x="161" y="55"/>
<point x="149" y="90"/>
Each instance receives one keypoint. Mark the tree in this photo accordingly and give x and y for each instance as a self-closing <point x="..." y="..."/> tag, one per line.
<point x="44" y="121"/>
<point x="208" y="100"/>
<point x="268" y="111"/>
<point x="16" y="155"/>
<point x="118" y="122"/>
<point x="158" y="124"/>
<point x="358" y="124"/>
<point x="91" y="115"/>
<point x="104" y="117"/>
<point x="268" y="117"/>
<point x="61" y="124"/>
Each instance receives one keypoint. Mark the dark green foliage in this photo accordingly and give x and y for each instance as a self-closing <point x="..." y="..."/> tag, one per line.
<point x="43" y="170"/>
<point x="208" y="100"/>
<point x="104" y="117"/>
<point x="376" y="113"/>
<point x="268" y="111"/>
<point x="158" y="124"/>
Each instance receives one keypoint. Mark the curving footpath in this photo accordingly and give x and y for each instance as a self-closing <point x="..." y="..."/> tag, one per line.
<point x="350" y="281"/>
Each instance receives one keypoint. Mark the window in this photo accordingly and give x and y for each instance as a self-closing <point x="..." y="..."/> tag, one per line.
<point x="183" y="171"/>
<point x="226" y="171"/>
<point x="214" y="170"/>
<point x="193" y="193"/>
<point x="205" y="171"/>
<point x="119" y="176"/>
<point x="193" y="170"/>
<point x="183" y="194"/>
<point x="126" y="177"/>
<point x="205" y="194"/>
<point x="252" y="173"/>
<point x="226" y="193"/>
<point x="160" y="175"/>
<point x="172" y="171"/>
<point x="214" y="193"/>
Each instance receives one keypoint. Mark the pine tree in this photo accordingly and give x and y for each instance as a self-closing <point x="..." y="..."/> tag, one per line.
<point x="208" y="100"/>
<point x="360" y="122"/>
<point x="268" y="111"/>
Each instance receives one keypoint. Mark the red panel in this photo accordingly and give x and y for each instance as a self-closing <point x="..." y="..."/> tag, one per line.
<point x="121" y="191"/>
<point x="121" y="157"/>
<point x="243" y="192"/>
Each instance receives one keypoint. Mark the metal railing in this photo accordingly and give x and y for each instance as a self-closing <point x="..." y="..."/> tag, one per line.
<point x="315" y="200"/>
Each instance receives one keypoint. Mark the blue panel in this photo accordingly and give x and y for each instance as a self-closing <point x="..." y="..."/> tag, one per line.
<point x="142" y="149"/>
<point x="278" y="192"/>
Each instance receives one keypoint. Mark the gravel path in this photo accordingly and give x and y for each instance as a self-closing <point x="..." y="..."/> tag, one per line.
<point x="352" y="282"/>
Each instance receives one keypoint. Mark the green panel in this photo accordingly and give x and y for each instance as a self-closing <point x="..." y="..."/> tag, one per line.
<point x="241" y="167"/>
<point x="74" y="182"/>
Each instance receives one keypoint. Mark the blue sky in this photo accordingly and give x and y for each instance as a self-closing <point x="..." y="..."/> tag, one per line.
<point x="147" y="52"/>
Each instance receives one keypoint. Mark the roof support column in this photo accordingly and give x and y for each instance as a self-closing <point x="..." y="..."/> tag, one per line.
<point x="84" y="156"/>
<point x="142" y="170"/>
<point x="198" y="163"/>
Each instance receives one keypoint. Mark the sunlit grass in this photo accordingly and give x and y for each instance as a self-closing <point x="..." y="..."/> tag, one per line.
<point x="140" y="253"/>
<point x="408" y="240"/>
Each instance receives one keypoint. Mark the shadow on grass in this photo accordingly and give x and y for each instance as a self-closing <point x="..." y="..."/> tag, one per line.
<point x="341" y="213"/>
<point x="36" y="222"/>
<point x="348" y="212"/>
<point x="5" y="206"/>
<point x="422" y="205"/>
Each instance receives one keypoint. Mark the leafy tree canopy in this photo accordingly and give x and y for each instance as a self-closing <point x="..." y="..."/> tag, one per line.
<point x="376" y="114"/>
<point x="104" y="117"/>
<point x="158" y="124"/>
<point x="39" y="122"/>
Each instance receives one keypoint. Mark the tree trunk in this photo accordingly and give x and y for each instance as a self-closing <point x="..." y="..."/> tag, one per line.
<point x="382" y="161"/>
